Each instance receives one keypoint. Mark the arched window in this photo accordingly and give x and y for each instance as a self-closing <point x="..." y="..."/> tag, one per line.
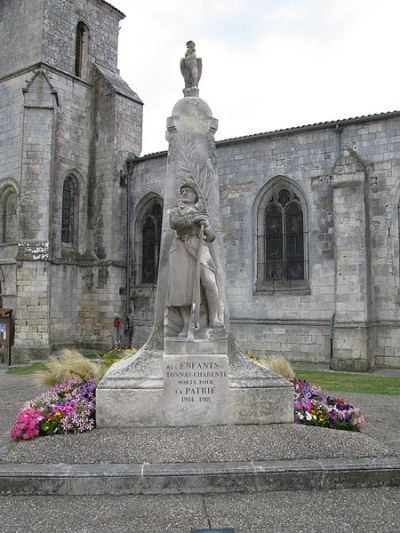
<point x="69" y="215"/>
<point x="81" y="49"/>
<point x="9" y="215"/>
<point x="281" y="238"/>
<point x="148" y="239"/>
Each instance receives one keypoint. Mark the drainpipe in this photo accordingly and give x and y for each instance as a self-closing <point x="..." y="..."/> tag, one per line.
<point x="338" y="131"/>
<point x="333" y="318"/>
<point x="130" y="163"/>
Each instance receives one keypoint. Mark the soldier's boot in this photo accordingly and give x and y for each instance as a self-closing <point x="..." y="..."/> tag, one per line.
<point x="212" y="301"/>
<point x="185" y="311"/>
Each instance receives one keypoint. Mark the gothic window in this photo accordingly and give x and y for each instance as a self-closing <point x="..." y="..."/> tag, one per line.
<point x="148" y="239"/>
<point x="81" y="49"/>
<point x="69" y="211"/>
<point x="281" y="238"/>
<point x="9" y="215"/>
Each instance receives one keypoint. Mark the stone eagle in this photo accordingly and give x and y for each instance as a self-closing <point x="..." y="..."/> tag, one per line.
<point x="191" y="66"/>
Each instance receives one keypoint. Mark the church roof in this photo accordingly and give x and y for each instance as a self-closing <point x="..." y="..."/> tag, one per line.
<point x="312" y="127"/>
<point x="115" y="9"/>
<point x="120" y="86"/>
<point x="296" y="129"/>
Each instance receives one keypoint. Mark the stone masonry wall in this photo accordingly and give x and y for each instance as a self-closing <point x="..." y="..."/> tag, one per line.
<point x="61" y="18"/>
<point x="32" y="304"/>
<point x="21" y="29"/>
<point x="149" y="180"/>
<point x="298" y="323"/>
<point x="84" y="301"/>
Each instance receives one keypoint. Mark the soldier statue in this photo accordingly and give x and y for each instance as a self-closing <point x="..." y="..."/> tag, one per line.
<point x="191" y="267"/>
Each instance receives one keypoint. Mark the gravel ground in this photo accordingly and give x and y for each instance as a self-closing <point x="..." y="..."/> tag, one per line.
<point x="241" y="443"/>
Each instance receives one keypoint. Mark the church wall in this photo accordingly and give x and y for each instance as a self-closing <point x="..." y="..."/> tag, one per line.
<point x="21" y="27"/>
<point x="11" y="120"/>
<point x="84" y="301"/>
<point x="378" y="144"/>
<point x="127" y="139"/>
<point x="293" y="322"/>
<point x="53" y="125"/>
<point x="148" y="179"/>
<point x="88" y="282"/>
<point x="298" y="323"/>
<point x="61" y="18"/>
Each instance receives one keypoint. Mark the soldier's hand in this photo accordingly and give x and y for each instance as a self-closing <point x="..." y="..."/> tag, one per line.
<point x="201" y="219"/>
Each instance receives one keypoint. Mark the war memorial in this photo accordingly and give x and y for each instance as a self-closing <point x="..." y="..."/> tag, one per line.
<point x="190" y="371"/>
<point x="284" y="242"/>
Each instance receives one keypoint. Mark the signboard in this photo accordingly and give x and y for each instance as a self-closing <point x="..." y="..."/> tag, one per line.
<point x="6" y="330"/>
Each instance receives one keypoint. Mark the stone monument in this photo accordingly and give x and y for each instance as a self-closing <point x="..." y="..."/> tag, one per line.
<point x="190" y="372"/>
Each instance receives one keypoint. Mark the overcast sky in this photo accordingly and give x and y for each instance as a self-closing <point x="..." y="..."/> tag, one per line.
<point x="267" y="64"/>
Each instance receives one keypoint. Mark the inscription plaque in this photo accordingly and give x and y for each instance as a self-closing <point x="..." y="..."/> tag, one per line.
<point x="195" y="388"/>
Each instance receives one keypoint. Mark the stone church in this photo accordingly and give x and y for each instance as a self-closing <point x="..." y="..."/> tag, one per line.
<point x="310" y="213"/>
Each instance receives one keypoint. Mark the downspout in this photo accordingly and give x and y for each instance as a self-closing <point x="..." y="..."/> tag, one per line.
<point x="338" y="131"/>
<point x="333" y="318"/>
<point x="130" y="163"/>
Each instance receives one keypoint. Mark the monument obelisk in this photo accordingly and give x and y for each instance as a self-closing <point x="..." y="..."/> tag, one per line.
<point x="190" y="371"/>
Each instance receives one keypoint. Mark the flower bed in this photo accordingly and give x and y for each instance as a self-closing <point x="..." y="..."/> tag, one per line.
<point x="69" y="406"/>
<point x="316" y="408"/>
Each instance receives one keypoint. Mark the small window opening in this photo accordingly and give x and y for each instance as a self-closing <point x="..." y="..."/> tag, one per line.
<point x="67" y="217"/>
<point x="81" y="48"/>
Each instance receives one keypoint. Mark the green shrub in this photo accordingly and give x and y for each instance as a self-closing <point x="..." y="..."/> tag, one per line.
<point x="110" y="357"/>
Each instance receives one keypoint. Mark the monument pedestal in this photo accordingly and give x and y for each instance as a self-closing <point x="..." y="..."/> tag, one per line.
<point x="157" y="389"/>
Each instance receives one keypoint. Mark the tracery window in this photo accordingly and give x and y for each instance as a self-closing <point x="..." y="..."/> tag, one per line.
<point x="81" y="48"/>
<point x="69" y="208"/>
<point x="148" y="240"/>
<point x="281" y="238"/>
<point x="9" y="215"/>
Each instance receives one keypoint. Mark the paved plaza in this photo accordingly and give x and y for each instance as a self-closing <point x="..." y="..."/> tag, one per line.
<point x="352" y="509"/>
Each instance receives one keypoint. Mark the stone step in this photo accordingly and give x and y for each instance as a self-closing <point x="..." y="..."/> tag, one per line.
<point x="198" y="478"/>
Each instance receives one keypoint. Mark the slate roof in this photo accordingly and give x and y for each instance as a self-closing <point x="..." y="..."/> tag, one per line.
<point x="295" y="129"/>
<point x="115" y="9"/>
<point x="120" y="86"/>
<point x="312" y="127"/>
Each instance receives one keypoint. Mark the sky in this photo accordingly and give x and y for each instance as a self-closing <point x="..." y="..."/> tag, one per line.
<point x="267" y="64"/>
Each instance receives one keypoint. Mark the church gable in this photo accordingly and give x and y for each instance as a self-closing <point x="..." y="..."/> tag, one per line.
<point x="39" y="92"/>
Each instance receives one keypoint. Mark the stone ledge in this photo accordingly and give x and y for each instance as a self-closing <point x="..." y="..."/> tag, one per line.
<point x="198" y="478"/>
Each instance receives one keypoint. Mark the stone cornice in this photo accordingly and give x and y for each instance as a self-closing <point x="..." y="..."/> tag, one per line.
<point x="46" y="66"/>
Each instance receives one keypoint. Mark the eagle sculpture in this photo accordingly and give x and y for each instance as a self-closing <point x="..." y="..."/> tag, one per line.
<point x="191" y="66"/>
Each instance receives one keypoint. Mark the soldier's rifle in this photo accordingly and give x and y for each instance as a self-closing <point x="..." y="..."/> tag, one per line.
<point x="195" y="307"/>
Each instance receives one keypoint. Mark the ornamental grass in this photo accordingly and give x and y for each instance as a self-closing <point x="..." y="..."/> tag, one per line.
<point x="69" y="365"/>
<point x="279" y="365"/>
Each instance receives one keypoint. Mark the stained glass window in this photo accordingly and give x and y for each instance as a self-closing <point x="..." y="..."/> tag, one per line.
<point x="151" y="238"/>
<point x="283" y="238"/>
